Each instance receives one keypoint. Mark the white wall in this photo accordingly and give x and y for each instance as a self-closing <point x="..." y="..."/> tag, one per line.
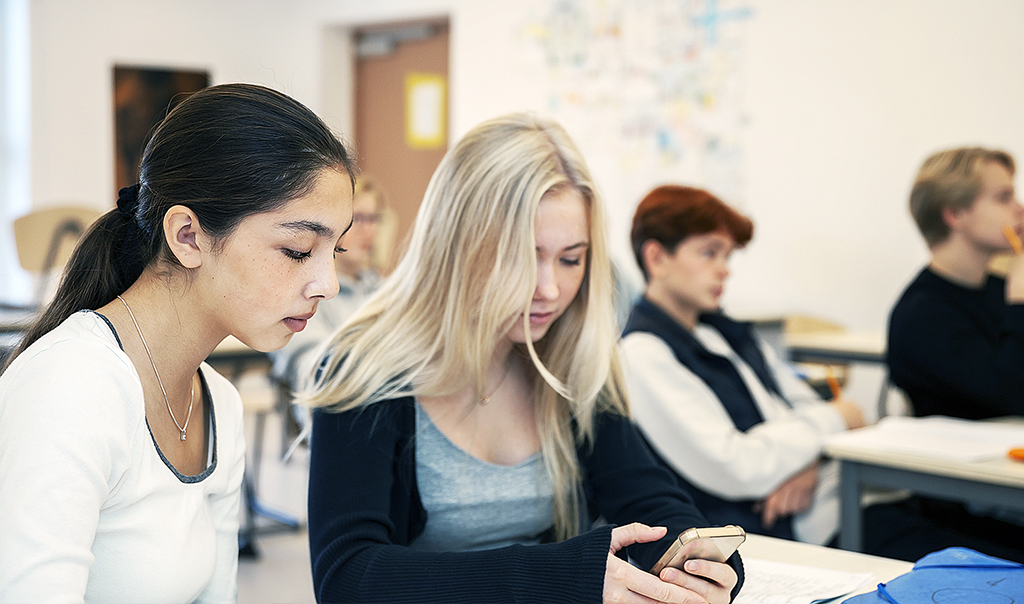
<point x="76" y="44"/>
<point x="842" y="101"/>
<point x="846" y="99"/>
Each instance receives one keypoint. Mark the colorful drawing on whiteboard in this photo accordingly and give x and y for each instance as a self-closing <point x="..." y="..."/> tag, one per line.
<point x="653" y="87"/>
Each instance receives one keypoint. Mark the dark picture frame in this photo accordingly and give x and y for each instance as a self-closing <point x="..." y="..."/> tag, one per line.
<point x="142" y="97"/>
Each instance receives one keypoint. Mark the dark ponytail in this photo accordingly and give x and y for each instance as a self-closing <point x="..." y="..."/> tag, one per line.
<point x="226" y="152"/>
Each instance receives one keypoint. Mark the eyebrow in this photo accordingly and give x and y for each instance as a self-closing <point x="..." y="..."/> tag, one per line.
<point x="575" y="246"/>
<point x="307" y="226"/>
<point x="719" y="245"/>
<point x="310" y="226"/>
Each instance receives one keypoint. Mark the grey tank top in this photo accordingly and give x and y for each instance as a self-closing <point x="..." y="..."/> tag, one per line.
<point x="474" y="505"/>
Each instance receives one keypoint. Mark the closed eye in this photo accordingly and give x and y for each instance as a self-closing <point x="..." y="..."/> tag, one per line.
<point x="571" y="261"/>
<point x="296" y="255"/>
<point x="339" y="250"/>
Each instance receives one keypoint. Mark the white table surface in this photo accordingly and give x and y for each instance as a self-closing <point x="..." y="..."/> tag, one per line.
<point x="1002" y="470"/>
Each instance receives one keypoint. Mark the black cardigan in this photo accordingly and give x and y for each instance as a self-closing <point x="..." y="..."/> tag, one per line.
<point x="364" y="507"/>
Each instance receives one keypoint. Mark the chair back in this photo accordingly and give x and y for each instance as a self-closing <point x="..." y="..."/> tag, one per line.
<point x="46" y="237"/>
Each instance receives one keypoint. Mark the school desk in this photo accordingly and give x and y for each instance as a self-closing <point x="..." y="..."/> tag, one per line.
<point x="866" y="461"/>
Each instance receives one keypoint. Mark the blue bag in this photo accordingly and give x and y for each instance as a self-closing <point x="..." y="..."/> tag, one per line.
<point x="955" y="575"/>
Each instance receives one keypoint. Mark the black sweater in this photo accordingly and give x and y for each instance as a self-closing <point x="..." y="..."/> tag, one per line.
<point x="364" y="507"/>
<point x="958" y="351"/>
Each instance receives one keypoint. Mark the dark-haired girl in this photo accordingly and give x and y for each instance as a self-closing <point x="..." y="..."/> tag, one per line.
<point x="121" y="452"/>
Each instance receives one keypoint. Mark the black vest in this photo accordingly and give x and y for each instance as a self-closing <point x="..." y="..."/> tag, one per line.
<point x="725" y="381"/>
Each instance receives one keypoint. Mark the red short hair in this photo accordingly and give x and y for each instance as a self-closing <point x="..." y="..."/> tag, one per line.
<point x="671" y="213"/>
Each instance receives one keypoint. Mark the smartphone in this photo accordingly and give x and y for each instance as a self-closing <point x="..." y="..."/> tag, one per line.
<point x="715" y="544"/>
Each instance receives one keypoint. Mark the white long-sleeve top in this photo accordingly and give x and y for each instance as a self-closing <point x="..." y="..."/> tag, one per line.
<point x="90" y="510"/>
<point x="685" y="421"/>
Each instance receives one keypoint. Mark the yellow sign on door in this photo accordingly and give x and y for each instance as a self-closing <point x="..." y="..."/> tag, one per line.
<point x="425" y="110"/>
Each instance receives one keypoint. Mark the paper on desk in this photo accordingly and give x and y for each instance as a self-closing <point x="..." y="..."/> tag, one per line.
<point x="770" y="582"/>
<point x="937" y="437"/>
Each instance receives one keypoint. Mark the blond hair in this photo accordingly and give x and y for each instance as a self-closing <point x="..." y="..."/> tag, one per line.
<point x="387" y="225"/>
<point x="949" y="180"/>
<point x="470" y="269"/>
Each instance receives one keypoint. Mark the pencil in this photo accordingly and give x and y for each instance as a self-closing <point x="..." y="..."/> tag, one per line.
<point x="1011" y="236"/>
<point x="833" y="383"/>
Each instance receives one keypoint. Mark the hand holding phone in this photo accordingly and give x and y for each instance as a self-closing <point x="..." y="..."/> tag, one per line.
<point x="715" y="544"/>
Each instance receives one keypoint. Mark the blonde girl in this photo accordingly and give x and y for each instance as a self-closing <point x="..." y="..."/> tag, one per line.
<point x="472" y="421"/>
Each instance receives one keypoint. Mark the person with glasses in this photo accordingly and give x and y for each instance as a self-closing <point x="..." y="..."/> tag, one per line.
<point x="358" y="272"/>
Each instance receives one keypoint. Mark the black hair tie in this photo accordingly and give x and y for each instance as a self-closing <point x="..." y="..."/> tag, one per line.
<point x="128" y="201"/>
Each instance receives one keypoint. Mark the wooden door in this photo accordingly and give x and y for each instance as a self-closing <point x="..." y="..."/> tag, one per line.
<point x="401" y="112"/>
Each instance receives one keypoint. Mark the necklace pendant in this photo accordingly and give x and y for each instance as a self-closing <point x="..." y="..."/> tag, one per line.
<point x="182" y="435"/>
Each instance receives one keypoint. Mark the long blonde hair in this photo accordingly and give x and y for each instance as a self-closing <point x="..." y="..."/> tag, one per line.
<point x="469" y="270"/>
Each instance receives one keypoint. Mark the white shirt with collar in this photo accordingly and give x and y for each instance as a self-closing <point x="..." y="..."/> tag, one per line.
<point x="685" y="421"/>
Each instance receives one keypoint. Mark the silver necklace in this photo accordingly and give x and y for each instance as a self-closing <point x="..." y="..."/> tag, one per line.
<point x="191" y="396"/>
